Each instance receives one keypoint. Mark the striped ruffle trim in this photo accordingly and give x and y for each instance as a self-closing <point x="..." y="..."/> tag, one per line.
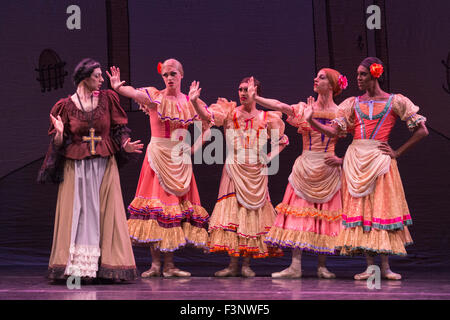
<point x="377" y="223"/>
<point x="168" y="216"/>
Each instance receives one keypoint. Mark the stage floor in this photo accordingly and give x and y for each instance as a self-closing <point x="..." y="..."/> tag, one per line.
<point x="30" y="284"/>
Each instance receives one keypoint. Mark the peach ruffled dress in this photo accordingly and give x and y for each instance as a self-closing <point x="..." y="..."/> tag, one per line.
<point x="243" y="213"/>
<point x="375" y="213"/>
<point x="166" y="211"/>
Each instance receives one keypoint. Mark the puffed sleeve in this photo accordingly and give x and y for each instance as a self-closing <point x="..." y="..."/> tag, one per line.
<point x="345" y="119"/>
<point x="153" y="94"/>
<point x="407" y="111"/>
<point x="275" y="127"/>
<point x="298" y="120"/>
<point x="221" y="111"/>
<point x="52" y="169"/>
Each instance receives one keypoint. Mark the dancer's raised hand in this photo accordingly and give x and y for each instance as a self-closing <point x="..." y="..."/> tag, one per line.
<point x="309" y="109"/>
<point x="114" y="78"/>
<point x="194" y="91"/>
<point x="252" y="89"/>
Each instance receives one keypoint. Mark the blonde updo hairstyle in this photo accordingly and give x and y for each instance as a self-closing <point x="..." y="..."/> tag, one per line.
<point x="172" y="63"/>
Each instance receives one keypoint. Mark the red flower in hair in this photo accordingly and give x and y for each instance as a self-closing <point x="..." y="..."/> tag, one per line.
<point x="376" y="70"/>
<point x="342" y="82"/>
<point x="159" y="67"/>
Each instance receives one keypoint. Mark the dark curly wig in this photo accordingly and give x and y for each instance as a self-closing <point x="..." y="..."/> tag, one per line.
<point x="84" y="70"/>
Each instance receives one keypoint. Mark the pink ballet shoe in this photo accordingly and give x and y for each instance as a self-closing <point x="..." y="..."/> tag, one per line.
<point x="246" y="272"/>
<point x="362" y="276"/>
<point x="389" y="275"/>
<point x="323" y="273"/>
<point x="175" y="272"/>
<point x="227" y="272"/>
<point x="288" y="273"/>
<point x="152" y="272"/>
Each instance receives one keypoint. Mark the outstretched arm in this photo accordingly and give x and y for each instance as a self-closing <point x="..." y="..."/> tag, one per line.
<point x="126" y="91"/>
<point x="330" y="131"/>
<point x="268" y="103"/>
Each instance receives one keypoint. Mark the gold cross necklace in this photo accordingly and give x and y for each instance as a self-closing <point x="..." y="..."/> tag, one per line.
<point x="91" y="138"/>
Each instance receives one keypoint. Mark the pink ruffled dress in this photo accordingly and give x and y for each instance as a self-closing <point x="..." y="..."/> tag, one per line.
<point x="309" y="217"/>
<point x="166" y="211"/>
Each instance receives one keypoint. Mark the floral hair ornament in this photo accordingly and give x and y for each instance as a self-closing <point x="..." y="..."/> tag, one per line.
<point x="159" y="67"/>
<point x="342" y="82"/>
<point x="376" y="70"/>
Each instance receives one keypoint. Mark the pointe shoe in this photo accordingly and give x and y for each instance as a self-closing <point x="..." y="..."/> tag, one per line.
<point x="362" y="276"/>
<point x="389" y="275"/>
<point x="246" y="272"/>
<point x="288" y="274"/>
<point x="227" y="272"/>
<point x="151" y="273"/>
<point x="175" y="272"/>
<point x="323" y="273"/>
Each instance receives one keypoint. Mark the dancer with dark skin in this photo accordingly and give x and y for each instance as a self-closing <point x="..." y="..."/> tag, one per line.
<point x="376" y="215"/>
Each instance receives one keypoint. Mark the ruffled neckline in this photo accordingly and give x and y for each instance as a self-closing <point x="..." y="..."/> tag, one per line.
<point x="170" y="110"/>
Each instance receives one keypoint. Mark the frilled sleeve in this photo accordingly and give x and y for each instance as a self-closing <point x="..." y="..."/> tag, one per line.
<point x="345" y="119"/>
<point x="298" y="120"/>
<point x="152" y="94"/>
<point x="52" y="169"/>
<point x="220" y="112"/>
<point x="275" y="127"/>
<point x="119" y="129"/>
<point x="407" y="111"/>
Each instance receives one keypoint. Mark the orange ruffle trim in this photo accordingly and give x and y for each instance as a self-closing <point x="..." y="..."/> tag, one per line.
<point x="235" y="245"/>
<point x="286" y="209"/>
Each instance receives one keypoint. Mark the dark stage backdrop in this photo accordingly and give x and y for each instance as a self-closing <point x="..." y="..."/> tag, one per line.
<point x="282" y="43"/>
